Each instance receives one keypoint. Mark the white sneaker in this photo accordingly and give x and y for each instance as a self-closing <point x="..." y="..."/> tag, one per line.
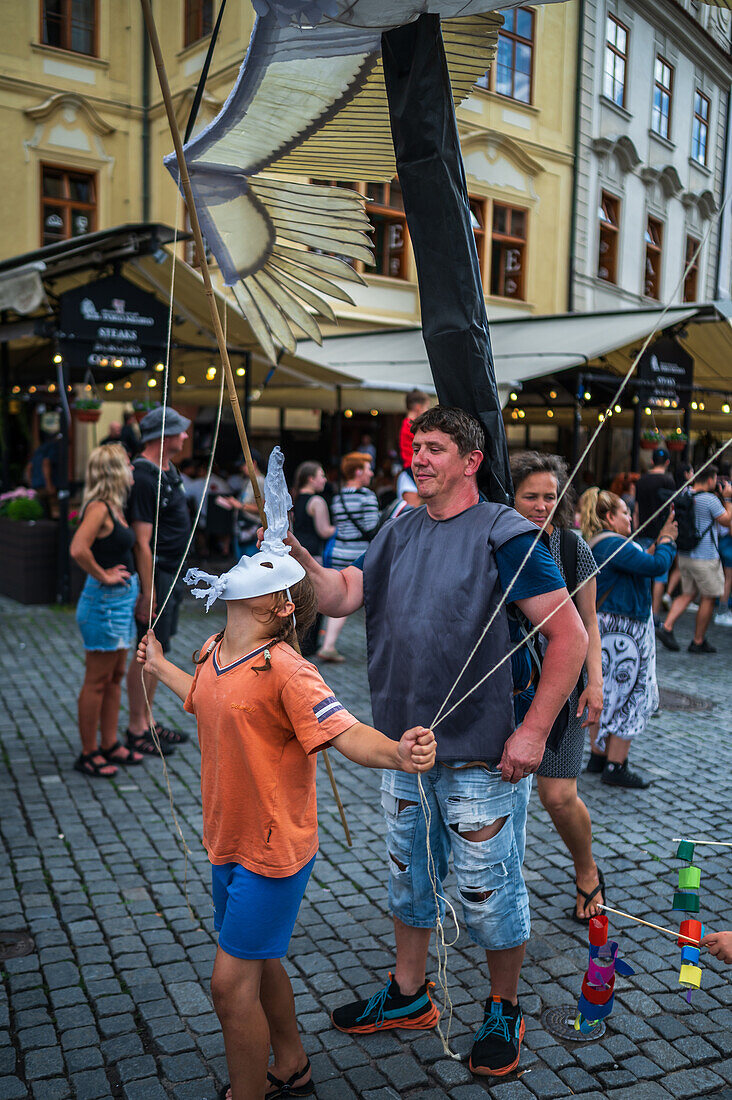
<point x="723" y="618"/>
<point x="666" y="600"/>
<point x="693" y="607"/>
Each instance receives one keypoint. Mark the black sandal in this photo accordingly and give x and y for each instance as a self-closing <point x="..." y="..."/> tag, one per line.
<point x="289" y="1088"/>
<point x="130" y="761"/>
<point x="143" y="743"/>
<point x="589" y="898"/>
<point x="171" y="737"/>
<point x="87" y="765"/>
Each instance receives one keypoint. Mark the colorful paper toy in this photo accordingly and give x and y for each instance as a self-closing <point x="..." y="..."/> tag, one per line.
<point x="598" y="985"/>
<point x="686" y="899"/>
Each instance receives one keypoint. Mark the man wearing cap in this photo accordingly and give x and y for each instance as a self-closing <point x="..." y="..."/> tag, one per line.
<point x="154" y="466"/>
<point x="651" y="491"/>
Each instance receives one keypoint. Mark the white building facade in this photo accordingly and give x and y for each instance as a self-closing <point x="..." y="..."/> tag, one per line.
<point x="654" y="80"/>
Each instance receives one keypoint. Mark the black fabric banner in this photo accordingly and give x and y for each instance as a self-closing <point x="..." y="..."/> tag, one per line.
<point x="432" y="178"/>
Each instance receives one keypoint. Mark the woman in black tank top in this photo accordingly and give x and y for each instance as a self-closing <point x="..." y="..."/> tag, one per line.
<point x="102" y="547"/>
<point x="312" y="528"/>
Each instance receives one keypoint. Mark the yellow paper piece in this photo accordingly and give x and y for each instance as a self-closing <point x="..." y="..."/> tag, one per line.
<point x="690" y="976"/>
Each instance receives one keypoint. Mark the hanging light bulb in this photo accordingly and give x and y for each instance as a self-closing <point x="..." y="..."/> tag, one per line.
<point x="158" y="367"/>
<point x="118" y="362"/>
<point x="211" y="374"/>
<point x="109" y="386"/>
<point x="58" y="358"/>
<point x="181" y="379"/>
<point x="587" y="395"/>
<point x="241" y="371"/>
<point x="553" y="394"/>
<point x="725" y="407"/>
<point x="601" y="417"/>
<point x="152" y="383"/>
<point x="348" y="414"/>
<point x="694" y="405"/>
<point x="618" y="409"/>
<point x="550" y="413"/>
<point x="702" y="406"/>
<point x="52" y="387"/>
<point x="522" y="414"/>
<point x="513" y="396"/>
<point x="127" y="384"/>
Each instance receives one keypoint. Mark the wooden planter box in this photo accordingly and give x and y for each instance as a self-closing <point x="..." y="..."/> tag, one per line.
<point x="29" y="556"/>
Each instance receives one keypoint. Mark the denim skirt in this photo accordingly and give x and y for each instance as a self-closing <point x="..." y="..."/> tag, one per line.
<point x="106" y="614"/>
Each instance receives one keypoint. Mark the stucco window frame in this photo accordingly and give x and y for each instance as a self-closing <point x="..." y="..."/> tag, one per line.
<point x="69" y="169"/>
<point x="187" y="44"/>
<point x="67" y="49"/>
<point x="669" y="91"/>
<point x="606" y="45"/>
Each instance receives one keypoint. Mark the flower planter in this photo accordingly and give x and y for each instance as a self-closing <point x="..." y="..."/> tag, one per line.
<point x="87" y="416"/>
<point x="29" y="555"/>
<point x="676" y="444"/>
<point x="650" y="444"/>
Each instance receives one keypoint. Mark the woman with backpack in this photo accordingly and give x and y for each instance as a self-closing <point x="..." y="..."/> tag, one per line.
<point x="355" y="512"/>
<point x="624" y="616"/>
<point x="538" y="480"/>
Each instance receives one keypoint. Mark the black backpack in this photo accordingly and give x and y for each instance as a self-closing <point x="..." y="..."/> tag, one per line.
<point x="685" y="512"/>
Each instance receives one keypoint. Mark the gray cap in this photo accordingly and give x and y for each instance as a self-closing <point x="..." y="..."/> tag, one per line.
<point x="151" y="425"/>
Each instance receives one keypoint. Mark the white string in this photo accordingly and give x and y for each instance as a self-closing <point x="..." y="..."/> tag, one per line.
<point x="570" y="595"/>
<point x="609" y="411"/>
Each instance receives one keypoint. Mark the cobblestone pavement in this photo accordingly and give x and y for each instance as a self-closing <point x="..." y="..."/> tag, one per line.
<point x="115" y="1002"/>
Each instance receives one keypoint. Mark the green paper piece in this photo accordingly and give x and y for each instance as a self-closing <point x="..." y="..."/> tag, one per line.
<point x="688" y="903"/>
<point x="685" y="851"/>
<point x="689" y="878"/>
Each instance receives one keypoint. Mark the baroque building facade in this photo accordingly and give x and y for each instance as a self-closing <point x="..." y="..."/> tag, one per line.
<point x="650" y="223"/>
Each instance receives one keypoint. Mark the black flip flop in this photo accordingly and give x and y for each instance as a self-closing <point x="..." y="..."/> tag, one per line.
<point x="289" y="1088"/>
<point x="599" y="889"/>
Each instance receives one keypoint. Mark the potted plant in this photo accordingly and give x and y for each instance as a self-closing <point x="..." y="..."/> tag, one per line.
<point x="677" y="440"/>
<point x="87" y="409"/>
<point x="650" y="439"/>
<point x="142" y="406"/>
<point x="28" y="549"/>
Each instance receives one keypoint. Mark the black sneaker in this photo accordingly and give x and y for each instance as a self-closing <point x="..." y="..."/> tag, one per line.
<point x="143" y="742"/>
<point x="666" y="637"/>
<point x="596" y="763"/>
<point x="620" y="775"/>
<point x="701" y="647"/>
<point x="387" y="1009"/>
<point x="497" y="1043"/>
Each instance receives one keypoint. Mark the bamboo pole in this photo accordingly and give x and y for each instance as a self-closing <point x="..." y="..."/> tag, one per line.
<point x="647" y="923"/>
<point x="215" y="319"/>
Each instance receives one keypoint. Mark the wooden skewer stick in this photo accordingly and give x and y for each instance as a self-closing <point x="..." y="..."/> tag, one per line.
<point x="658" y="928"/>
<point x="215" y="319"/>
<point x="715" y="843"/>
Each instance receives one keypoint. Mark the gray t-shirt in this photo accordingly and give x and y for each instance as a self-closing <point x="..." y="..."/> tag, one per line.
<point x="707" y="507"/>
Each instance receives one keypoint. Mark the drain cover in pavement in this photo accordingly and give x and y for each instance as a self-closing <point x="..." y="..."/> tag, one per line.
<point x="679" y="700"/>
<point x="15" y="944"/>
<point x="559" y="1020"/>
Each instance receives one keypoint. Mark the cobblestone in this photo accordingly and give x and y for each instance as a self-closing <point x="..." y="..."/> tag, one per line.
<point x="116" y="1001"/>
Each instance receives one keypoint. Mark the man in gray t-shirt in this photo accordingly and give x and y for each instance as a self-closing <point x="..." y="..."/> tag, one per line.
<point x="702" y="575"/>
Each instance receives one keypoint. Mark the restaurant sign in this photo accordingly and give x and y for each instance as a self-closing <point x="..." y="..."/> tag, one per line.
<point x="112" y="326"/>
<point x="666" y="373"/>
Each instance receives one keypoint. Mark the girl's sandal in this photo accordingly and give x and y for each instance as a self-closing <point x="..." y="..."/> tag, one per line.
<point x="289" y="1088"/>
<point x="130" y="758"/>
<point x="589" y="898"/>
<point x="87" y="765"/>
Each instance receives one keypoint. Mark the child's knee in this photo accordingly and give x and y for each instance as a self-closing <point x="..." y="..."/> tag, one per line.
<point x="234" y="990"/>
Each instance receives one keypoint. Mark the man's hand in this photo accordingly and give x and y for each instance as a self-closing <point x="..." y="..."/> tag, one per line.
<point x="417" y="749"/>
<point x="719" y="944"/>
<point x="591" y="698"/>
<point x="522" y="754"/>
<point x="289" y="540"/>
<point x="142" y="607"/>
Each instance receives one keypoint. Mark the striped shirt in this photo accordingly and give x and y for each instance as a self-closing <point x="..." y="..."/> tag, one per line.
<point x="362" y="506"/>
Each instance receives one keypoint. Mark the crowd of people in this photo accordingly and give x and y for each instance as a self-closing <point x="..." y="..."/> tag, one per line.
<point x="573" y="596"/>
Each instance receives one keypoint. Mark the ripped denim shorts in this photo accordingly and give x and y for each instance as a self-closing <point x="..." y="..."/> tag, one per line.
<point x="490" y="884"/>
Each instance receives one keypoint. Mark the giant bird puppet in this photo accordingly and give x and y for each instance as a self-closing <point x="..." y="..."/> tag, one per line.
<point x="344" y="90"/>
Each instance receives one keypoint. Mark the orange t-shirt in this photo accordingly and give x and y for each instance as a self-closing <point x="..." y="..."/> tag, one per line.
<point x="258" y="732"/>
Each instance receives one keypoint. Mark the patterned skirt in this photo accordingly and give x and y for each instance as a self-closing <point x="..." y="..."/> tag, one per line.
<point x="630" y="688"/>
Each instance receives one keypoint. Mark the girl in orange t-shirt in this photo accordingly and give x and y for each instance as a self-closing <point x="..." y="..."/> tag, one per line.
<point x="262" y="713"/>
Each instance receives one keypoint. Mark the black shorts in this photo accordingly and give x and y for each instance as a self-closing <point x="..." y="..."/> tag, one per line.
<point x="167" y="624"/>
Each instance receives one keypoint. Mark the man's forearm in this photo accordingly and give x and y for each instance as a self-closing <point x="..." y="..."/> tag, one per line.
<point x="560" y="672"/>
<point x="144" y="563"/>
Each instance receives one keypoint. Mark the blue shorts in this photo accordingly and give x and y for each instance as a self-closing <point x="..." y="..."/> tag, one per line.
<point x="106" y="614"/>
<point x="253" y="915"/>
<point x="490" y="882"/>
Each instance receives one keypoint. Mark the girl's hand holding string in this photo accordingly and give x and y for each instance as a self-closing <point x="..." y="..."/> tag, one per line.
<point x="150" y="653"/>
<point x="417" y="750"/>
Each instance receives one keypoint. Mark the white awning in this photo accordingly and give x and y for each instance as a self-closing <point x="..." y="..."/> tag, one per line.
<point x="525" y="348"/>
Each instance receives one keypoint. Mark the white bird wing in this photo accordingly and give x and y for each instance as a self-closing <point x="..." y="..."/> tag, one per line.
<point x="307" y="102"/>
